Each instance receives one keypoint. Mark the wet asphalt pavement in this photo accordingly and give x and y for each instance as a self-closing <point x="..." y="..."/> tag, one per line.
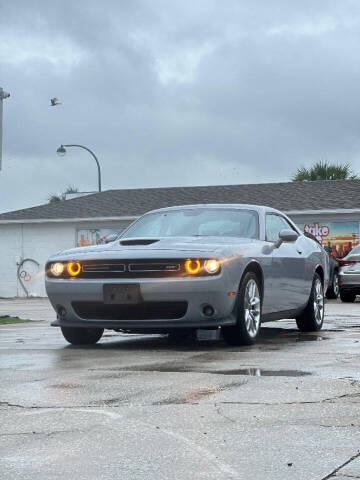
<point x="136" y="407"/>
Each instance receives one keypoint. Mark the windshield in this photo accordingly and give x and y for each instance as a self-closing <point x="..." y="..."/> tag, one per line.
<point x="196" y="222"/>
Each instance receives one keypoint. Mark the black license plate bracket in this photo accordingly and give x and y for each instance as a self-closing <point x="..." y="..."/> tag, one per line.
<point x="121" y="293"/>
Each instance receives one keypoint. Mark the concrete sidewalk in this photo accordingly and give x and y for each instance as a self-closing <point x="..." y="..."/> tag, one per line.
<point x="27" y="308"/>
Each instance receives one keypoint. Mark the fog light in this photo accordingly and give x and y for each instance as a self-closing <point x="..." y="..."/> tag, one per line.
<point x="56" y="269"/>
<point x="208" y="310"/>
<point x="212" y="265"/>
<point x="73" y="268"/>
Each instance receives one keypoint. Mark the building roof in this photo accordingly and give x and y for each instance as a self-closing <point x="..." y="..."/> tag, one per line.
<point x="288" y="197"/>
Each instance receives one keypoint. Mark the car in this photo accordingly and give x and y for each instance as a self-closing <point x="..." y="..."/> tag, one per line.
<point x="333" y="289"/>
<point x="178" y="269"/>
<point x="349" y="275"/>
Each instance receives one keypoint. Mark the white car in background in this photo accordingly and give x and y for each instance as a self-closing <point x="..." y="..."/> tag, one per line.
<point x="349" y="275"/>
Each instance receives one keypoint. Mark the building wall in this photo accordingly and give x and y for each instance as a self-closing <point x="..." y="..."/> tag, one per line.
<point x="36" y="242"/>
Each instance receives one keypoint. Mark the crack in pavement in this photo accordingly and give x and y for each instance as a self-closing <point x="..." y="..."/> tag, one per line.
<point x="222" y="414"/>
<point x="48" y="434"/>
<point x="164" y="403"/>
<point x="334" y="472"/>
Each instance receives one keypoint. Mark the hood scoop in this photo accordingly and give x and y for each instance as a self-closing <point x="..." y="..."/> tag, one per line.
<point x="138" y="241"/>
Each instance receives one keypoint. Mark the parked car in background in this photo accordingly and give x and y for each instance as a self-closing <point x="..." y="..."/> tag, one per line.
<point x="333" y="289"/>
<point x="191" y="267"/>
<point x="349" y="275"/>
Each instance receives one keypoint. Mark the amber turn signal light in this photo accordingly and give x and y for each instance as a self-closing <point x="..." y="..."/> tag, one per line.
<point x="192" y="266"/>
<point x="73" y="268"/>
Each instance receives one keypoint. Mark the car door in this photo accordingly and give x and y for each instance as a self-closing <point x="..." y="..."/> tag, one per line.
<point x="287" y="267"/>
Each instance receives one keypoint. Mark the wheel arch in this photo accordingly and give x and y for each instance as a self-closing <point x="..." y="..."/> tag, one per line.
<point x="320" y="271"/>
<point x="254" y="267"/>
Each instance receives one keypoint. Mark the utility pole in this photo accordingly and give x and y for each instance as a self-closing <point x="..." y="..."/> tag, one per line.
<point x="2" y="96"/>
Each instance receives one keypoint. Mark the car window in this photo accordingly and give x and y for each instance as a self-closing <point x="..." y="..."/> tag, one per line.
<point x="220" y="222"/>
<point x="274" y="224"/>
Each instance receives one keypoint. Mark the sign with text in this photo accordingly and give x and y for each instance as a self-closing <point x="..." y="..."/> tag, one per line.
<point x="338" y="238"/>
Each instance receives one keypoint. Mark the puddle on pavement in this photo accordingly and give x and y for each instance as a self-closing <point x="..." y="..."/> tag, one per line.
<point x="307" y="338"/>
<point x="260" y="372"/>
<point x="183" y="368"/>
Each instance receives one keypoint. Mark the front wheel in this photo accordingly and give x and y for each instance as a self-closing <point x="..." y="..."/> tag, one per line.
<point x="312" y="318"/>
<point x="82" y="336"/>
<point x="248" y="313"/>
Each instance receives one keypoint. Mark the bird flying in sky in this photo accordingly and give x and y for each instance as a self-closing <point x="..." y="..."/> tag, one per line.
<point x="54" y="101"/>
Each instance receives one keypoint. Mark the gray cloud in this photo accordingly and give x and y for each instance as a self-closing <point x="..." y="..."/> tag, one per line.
<point x="175" y="93"/>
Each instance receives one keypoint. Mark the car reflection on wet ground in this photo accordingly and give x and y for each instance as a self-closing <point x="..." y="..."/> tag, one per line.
<point x="141" y="407"/>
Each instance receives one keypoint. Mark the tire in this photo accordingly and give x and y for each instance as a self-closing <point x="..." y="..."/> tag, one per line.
<point x="248" y="313"/>
<point x="347" y="297"/>
<point x="82" y="336"/>
<point x="333" y="289"/>
<point x="312" y="318"/>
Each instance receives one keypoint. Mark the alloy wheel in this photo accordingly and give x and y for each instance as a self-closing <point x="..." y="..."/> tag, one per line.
<point x="318" y="301"/>
<point x="336" y="287"/>
<point x="252" y="308"/>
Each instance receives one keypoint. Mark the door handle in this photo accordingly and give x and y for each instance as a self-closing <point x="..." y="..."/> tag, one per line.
<point x="299" y="251"/>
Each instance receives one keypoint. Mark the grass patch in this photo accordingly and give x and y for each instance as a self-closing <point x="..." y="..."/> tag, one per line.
<point x="5" y="319"/>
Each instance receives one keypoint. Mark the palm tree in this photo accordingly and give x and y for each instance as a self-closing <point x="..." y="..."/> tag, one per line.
<point x="324" y="171"/>
<point x="58" y="198"/>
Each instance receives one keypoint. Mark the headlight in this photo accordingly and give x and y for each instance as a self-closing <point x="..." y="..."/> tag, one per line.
<point x="73" y="268"/>
<point x="192" y="266"/>
<point x="56" y="269"/>
<point x="212" y="265"/>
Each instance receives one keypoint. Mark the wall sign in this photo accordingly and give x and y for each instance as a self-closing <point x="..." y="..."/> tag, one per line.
<point x="338" y="238"/>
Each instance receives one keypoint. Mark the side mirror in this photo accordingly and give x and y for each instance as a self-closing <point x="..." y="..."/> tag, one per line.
<point x="286" y="235"/>
<point x="111" y="238"/>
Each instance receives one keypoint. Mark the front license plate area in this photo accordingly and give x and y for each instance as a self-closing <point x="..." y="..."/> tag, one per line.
<point x="122" y="293"/>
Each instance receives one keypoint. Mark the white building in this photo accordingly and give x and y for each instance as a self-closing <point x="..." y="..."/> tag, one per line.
<point x="329" y="209"/>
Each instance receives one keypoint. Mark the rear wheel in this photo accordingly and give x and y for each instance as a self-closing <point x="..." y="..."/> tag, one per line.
<point x="333" y="290"/>
<point x="82" y="336"/>
<point x="248" y="312"/>
<point x="312" y="318"/>
<point x="347" y="296"/>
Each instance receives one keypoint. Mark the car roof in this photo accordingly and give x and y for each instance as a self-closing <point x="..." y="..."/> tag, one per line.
<point x="240" y="206"/>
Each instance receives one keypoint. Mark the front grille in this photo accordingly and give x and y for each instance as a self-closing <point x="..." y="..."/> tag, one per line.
<point x="103" y="267"/>
<point x="139" y="311"/>
<point x="144" y="268"/>
<point x="154" y="267"/>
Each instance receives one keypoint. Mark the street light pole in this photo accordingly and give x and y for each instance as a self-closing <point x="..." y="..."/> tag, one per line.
<point x="2" y="96"/>
<point x="61" y="151"/>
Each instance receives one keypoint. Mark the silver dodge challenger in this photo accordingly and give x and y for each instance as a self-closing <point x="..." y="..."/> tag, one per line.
<point x="179" y="269"/>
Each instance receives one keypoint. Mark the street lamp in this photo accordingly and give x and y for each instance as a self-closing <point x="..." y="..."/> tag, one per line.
<point x="61" y="151"/>
<point x="3" y="95"/>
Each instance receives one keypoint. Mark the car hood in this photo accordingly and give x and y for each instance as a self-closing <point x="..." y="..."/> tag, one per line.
<point x="169" y="246"/>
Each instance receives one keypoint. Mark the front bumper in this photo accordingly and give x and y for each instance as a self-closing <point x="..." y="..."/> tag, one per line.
<point x="197" y="292"/>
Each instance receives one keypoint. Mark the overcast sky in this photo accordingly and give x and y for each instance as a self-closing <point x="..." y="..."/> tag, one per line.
<point x="170" y="92"/>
